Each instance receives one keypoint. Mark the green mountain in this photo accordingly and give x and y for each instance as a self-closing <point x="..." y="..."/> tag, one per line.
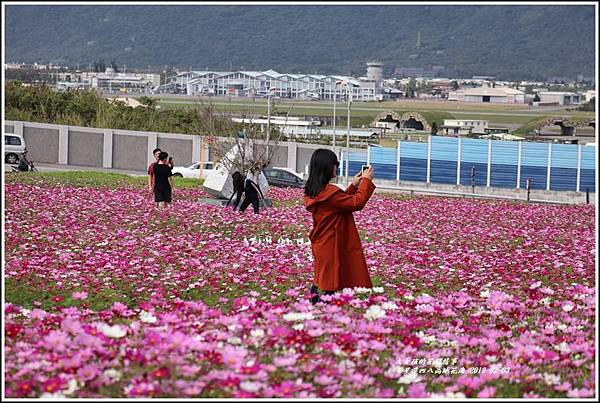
<point x="509" y="42"/>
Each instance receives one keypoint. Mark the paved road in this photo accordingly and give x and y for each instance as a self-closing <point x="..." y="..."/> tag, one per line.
<point x="533" y="112"/>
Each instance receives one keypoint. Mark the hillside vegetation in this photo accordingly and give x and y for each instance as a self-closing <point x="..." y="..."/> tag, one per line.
<point x="509" y="42"/>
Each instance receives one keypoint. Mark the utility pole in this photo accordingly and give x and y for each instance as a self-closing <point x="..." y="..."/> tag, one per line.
<point x="269" y="119"/>
<point x="334" y="98"/>
<point x="348" y="133"/>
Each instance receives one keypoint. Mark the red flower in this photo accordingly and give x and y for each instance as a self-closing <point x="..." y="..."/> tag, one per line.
<point x="230" y="383"/>
<point x="58" y="298"/>
<point x="411" y="340"/>
<point x="24" y="388"/>
<point x="12" y="330"/>
<point x="161" y="373"/>
<point x="52" y="385"/>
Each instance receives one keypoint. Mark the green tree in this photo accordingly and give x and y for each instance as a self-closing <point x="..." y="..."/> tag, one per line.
<point x="434" y="128"/>
<point x="410" y="88"/>
<point x="588" y="106"/>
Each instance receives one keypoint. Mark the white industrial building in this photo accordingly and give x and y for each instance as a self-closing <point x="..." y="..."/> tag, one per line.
<point x="588" y="95"/>
<point x="258" y="83"/>
<point x="497" y="95"/>
<point x="463" y="127"/>
<point x="559" y="98"/>
<point x="110" y="81"/>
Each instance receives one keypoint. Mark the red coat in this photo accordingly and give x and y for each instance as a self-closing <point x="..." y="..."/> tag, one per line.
<point x="339" y="260"/>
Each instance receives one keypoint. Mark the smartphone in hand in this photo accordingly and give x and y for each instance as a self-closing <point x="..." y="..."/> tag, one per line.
<point x="364" y="168"/>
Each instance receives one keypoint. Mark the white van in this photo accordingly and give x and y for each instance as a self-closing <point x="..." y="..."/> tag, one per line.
<point x="14" y="145"/>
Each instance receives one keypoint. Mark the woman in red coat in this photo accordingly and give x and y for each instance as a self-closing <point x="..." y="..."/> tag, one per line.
<point x="338" y="256"/>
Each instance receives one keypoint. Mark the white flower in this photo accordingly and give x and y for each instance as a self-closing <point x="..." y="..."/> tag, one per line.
<point x="73" y="385"/>
<point x="411" y="377"/>
<point x="568" y="307"/>
<point x="147" y="317"/>
<point x="409" y="297"/>
<point x="114" y="332"/>
<point x="257" y="333"/>
<point x="250" y="386"/>
<point x="298" y="326"/>
<point x="562" y="326"/>
<point x="484" y="293"/>
<point x="378" y="290"/>
<point x="563" y="347"/>
<point x="234" y="340"/>
<point x="362" y="290"/>
<point x="112" y="374"/>
<point x="535" y="285"/>
<point x="551" y="379"/>
<point x="297" y="316"/>
<point x="57" y="395"/>
<point x="545" y="301"/>
<point x="374" y="312"/>
<point x="491" y="358"/>
<point x="450" y="395"/>
<point x="389" y="305"/>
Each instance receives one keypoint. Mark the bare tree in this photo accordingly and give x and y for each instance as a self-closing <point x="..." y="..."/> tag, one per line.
<point x="223" y="133"/>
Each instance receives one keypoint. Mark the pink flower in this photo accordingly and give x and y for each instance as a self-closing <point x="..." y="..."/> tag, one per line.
<point x="488" y="391"/>
<point x="232" y="356"/>
<point x="580" y="393"/>
<point x="57" y="340"/>
<point x="80" y="295"/>
<point x="417" y="390"/>
<point x="285" y="361"/>
<point x="88" y="372"/>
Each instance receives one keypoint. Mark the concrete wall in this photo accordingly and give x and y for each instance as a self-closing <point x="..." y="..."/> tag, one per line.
<point x="85" y="148"/>
<point x="42" y="143"/>
<point x="279" y="154"/>
<point x="9" y="129"/>
<point x="179" y="149"/>
<point x="130" y="152"/>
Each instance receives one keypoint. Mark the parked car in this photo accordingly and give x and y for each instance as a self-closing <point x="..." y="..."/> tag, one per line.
<point x="283" y="177"/>
<point x="193" y="171"/>
<point x="14" y="145"/>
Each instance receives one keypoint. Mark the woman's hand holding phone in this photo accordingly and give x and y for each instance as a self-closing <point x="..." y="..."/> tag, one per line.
<point x="357" y="178"/>
<point x="368" y="173"/>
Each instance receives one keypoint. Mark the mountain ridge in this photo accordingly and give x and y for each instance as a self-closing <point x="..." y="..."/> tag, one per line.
<point x="509" y="42"/>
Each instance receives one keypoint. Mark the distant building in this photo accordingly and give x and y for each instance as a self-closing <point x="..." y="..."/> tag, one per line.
<point x="460" y="127"/>
<point x="283" y="85"/>
<point x="498" y="95"/>
<point x="588" y="95"/>
<point x="559" y="98"/>
<point x="109" y="81"/>
<point x="418" y="72"/>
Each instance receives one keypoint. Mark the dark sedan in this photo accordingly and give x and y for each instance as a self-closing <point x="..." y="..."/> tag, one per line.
<point x="280" y="177"/>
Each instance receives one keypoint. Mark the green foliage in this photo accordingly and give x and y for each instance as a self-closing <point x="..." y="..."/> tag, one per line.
<point x="530" y="126"/>
<point x="589" y="106"/>
<point x="95" y="179"/>
<point x="87" y="108"/>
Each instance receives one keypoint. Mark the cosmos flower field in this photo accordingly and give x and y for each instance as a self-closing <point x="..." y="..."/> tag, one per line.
<point x="107" y="297"/>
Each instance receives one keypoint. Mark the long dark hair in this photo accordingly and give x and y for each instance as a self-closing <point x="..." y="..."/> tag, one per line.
<point x="238" y="182"/>
<point x="322" y="163"/>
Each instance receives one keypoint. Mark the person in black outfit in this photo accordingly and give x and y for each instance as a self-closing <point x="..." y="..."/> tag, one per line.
<point x="163" y="181"/>
<point x="238" y="189"/>
<point x="252" y="191"/>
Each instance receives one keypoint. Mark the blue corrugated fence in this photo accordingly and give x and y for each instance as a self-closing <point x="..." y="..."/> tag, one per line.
<point x="508" y="164"/>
